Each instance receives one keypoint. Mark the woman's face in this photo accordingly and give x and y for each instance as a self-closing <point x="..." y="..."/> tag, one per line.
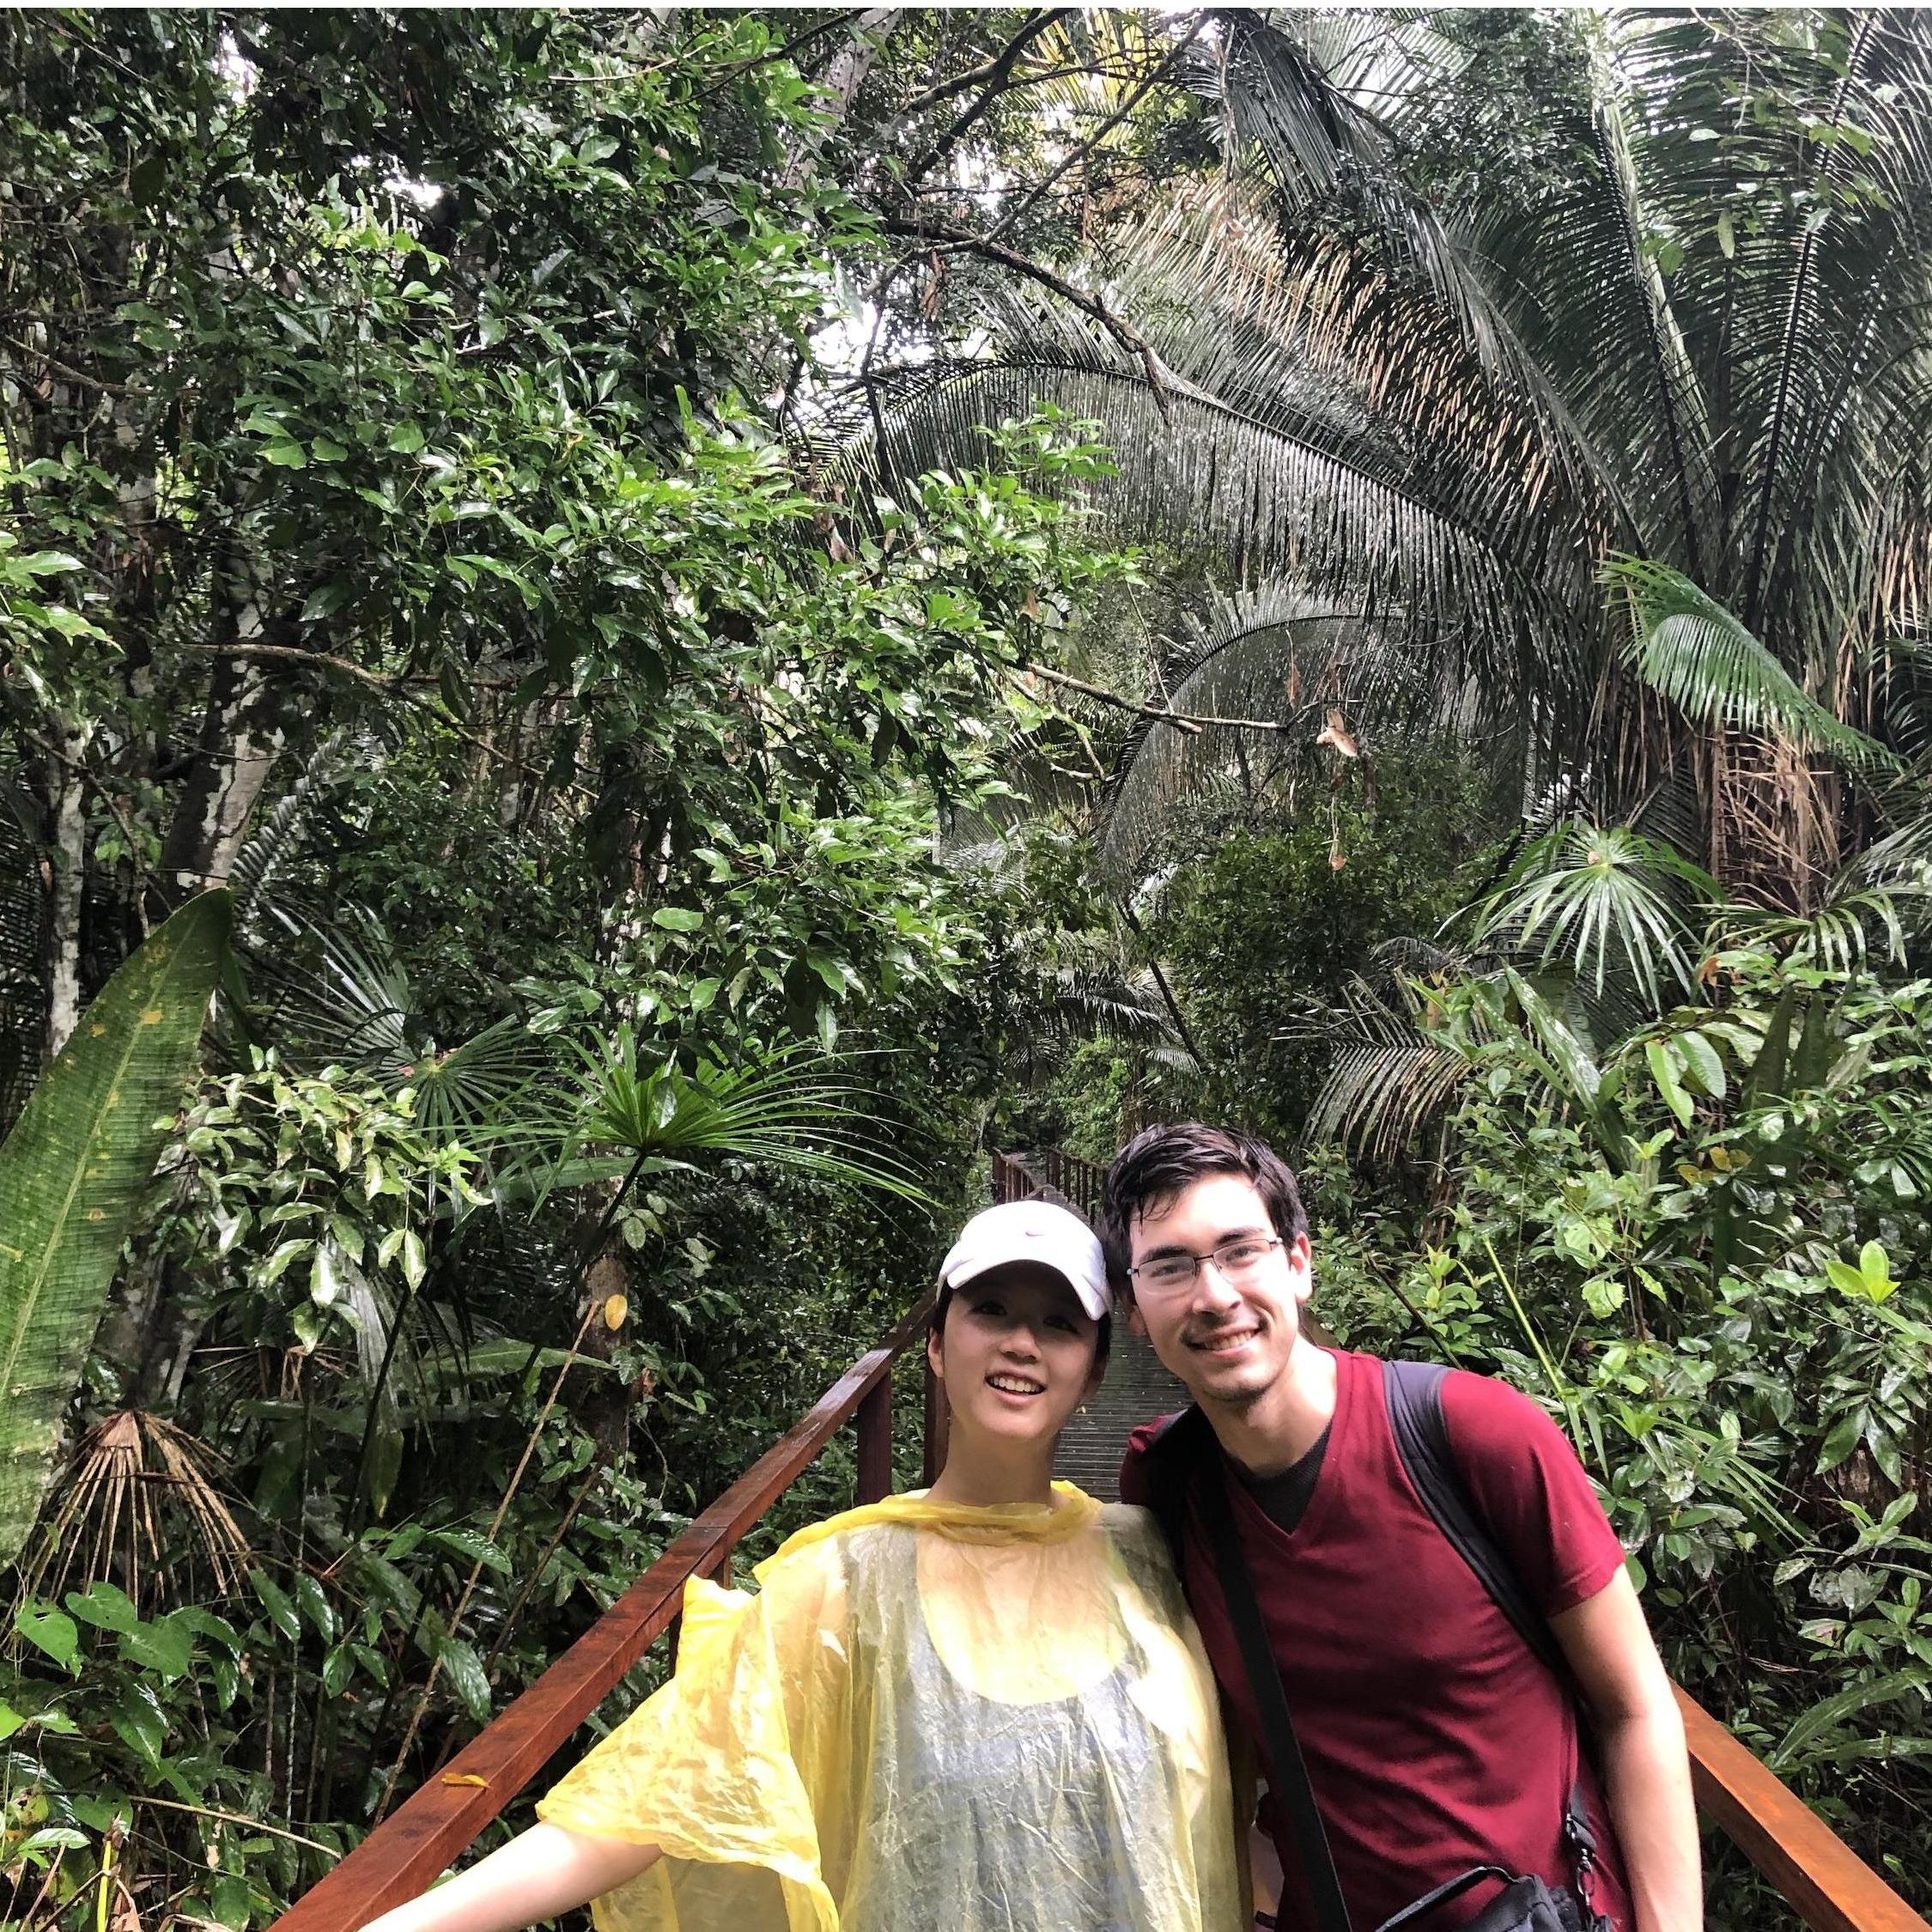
<point x="1016" y="1355"/>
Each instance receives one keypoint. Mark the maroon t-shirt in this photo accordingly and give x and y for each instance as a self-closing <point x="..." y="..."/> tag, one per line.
<point x="1434" y="1739"/>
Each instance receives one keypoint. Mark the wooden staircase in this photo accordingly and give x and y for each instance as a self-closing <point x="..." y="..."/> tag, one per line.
<point x="1138" y="1387"/>
<point x="1828" y="1887"/>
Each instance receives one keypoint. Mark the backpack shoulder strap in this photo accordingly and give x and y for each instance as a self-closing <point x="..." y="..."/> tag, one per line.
<point x="1287" y="1770"/>
<point x="1413" y="1392"/>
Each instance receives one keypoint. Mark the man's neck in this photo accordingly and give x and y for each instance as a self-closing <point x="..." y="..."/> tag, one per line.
<point x="1280" y="1427"/>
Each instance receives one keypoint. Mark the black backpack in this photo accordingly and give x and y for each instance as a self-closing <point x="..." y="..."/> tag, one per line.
<point x="1413" y="1392"/>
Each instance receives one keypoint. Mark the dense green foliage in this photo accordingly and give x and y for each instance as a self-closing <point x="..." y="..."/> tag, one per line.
<point x="396" y="532"/>
<point x="1704" y="1242"/>
<point x="600" y="531"/>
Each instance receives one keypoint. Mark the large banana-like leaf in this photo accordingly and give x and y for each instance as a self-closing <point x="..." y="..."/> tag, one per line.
<point x="71" y="1173"/>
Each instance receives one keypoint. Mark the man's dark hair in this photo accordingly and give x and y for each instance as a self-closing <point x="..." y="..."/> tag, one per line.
<point x="1159" y="1162"/>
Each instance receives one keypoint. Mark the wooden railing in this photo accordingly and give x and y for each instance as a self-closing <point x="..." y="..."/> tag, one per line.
<point x="1819" y="1876"/>
<point x="1020" y="1176"/>
<point x="404" y="1855"/>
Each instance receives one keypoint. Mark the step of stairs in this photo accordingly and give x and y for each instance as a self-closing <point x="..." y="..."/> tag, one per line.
<point x="1136" y="1389"/>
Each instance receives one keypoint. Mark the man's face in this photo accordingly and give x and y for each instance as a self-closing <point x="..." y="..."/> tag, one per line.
<point x="1230" y="1341"/>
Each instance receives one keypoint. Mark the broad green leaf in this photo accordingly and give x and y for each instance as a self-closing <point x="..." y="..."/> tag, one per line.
<point x="106" y="1608"/>
<point x="1665" y="1074"/>
<point x="677" y="918"/>
<point x="140" y="1722"/>
<point x="316" y="1607"/>
<point x="10" y="1721"/>
<point x="274" y="1600"/>
<point x="1702" y="1064"/>
<point x="232" y="1900"/>
<point x="49" y="1630"/>
<point x="163" y="1646"/>
<point x="465" y="1670"/>
<point x="1841" y="1441"/>
<point x="405" y="439"/>
<point x="337" y="1667"/>
<point x="475" y="1545"/>
<point x="51" y="1837"/>
<point x="71" y="1173"/>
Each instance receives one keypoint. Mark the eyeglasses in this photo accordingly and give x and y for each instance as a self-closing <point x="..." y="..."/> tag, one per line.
<point x="1238" y="1261"/>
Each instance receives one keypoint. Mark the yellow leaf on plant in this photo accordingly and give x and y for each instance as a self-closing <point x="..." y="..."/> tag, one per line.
<point x="614" y="1309"/>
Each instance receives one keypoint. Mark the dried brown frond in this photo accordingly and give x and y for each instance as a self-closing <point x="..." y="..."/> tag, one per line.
<point x="136" y="1481"/>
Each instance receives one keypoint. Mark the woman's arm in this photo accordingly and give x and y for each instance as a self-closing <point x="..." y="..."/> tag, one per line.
<point x="545" y="1871"/>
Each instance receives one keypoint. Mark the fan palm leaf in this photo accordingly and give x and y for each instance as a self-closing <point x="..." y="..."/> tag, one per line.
<point x="628" y="1115"/>
<point x="1605" y="901"/>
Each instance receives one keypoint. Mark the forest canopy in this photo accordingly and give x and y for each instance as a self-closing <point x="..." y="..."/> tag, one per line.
<point x="644" y="635"/>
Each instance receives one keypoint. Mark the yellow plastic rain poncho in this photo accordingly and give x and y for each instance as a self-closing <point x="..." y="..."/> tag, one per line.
<point x="931" y="1718"/>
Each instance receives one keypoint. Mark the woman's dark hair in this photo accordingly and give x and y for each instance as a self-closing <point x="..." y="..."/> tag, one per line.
<point x="1103" y="1337"/>
<point x="1160" y="1161"/>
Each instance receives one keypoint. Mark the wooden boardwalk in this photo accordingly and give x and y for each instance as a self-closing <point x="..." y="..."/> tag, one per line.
<point x="1136" y="1390"/>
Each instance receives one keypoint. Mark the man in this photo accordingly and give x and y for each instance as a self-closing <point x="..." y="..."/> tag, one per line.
<point x="1435" y="1740"/>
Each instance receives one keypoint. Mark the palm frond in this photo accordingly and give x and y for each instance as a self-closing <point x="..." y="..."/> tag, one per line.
<point x="268" y="844"/>
<point x="1699" y="655"/>
<point x="133" y="1481"/>
<point x="799" y="1108"/>
<point x="1605" y="901"/>
<point x="1242" y="658"/>
<point x="1860" y="914"/>
<point x="340" y="993"/>
<point x="1388" y="1078"/>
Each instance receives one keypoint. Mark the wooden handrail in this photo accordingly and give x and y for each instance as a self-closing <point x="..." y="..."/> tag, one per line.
<point x="1020" y="1176"/>
<point x="404" y="1855"/>
<point x="1822" y="1879"/>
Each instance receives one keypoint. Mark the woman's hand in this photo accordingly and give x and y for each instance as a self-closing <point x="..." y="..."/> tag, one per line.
<point x="545" y="1871"/>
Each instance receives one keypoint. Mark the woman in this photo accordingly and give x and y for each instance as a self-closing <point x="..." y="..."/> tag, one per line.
<point x="980" y="1707"/>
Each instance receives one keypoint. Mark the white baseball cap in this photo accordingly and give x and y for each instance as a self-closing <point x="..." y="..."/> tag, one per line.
<point x="1032" y="1230"/>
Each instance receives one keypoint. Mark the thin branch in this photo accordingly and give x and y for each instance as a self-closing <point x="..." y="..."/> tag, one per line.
<point x="943" y="235"/>
<point x="1085" y="148"/>
<point x="1000" y="66"/>
<point x="68" y="370"/>
<point x="1190" y="723"/>
<point x="291" y="654"/>
<point x="389" y="687"/>
<point x="235" y="1817"/>
<point x="1168" y="999"/>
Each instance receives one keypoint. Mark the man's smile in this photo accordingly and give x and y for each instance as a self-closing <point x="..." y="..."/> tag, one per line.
<point x="1223" y="1342"/>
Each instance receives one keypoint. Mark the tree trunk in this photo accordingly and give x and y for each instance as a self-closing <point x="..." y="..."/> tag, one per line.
<point x="843" y="79"/>
<point x="69" y="841"/>
<point x="241" y="739"/>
